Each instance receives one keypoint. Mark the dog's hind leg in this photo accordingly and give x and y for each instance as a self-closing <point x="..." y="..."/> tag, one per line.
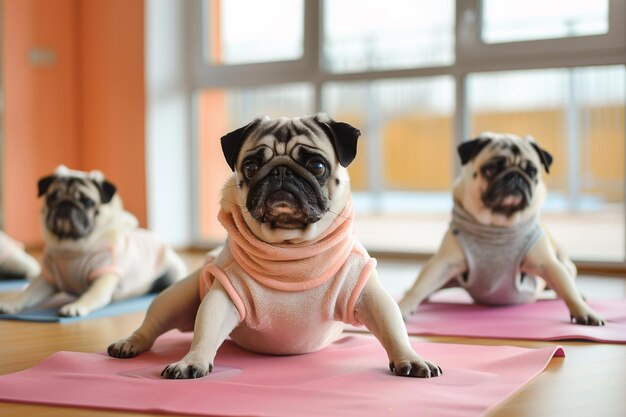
<point x="175" y="270"/>
<point x="175" y="307"/>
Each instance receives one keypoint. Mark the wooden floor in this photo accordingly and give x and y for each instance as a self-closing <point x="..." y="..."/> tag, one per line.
<point x="589" y="381"/>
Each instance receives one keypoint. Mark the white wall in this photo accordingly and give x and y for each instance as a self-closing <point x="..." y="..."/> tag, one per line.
<point x="168" y="115"/>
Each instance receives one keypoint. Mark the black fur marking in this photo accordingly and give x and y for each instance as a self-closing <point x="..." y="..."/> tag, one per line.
<point x="508" y="183"/>
<point x="44" y="183"/>
<point x="73" y="180"/>
<point x="469" y="149"/>
<point x="107" y="191"/>
<point x="291" y="185"/>
<point x="283" y="134"/>
<point x="270" y="128"/>
<point x="515" y="149"/>
<point x="544" y="156"/>
<point x="343" y="138"/>
<point x="233" y="141"/>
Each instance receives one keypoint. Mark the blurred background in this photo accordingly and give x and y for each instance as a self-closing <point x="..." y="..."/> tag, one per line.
<point x="144" y="89"/>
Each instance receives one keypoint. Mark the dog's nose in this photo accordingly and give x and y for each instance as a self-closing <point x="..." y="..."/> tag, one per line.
<point x="281" y="171"/>
<point x="514" y="178"/>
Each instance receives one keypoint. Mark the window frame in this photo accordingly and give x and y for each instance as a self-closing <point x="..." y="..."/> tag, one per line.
<point x="472" y="55"/>
<point x="473" y="48"/>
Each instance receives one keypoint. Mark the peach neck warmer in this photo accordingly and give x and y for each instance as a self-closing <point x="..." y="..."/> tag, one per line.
<point x="291" y="267"/>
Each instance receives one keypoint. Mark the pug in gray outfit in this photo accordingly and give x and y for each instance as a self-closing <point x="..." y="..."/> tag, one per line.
<point x="496" y="248"/>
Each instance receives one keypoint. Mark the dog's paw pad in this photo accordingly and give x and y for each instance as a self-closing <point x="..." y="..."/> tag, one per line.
<point x="123" y="349"/>
<point x="416" y="369"/>
<point x="184" y="370"/>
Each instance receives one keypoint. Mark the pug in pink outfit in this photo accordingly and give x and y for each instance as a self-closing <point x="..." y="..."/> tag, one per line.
<point x="291" y="273"/>
<point x="93" y="248"/>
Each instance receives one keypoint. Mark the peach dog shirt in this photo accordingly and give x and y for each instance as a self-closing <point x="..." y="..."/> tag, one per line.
<point x="291" y="298"/>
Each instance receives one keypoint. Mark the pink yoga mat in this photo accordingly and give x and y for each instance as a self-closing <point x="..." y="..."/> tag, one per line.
<point x="542" y="320"/>
<point x="349" y="377"/>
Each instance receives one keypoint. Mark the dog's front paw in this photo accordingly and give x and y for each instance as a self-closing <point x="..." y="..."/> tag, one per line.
<point x="126" y="348"/>
<point x="415" y="367"/>
<point x="73" y="310"/>
<point x="588" y="317"/>
<point x="186" y="369"/>
<point x="10" y="307"/>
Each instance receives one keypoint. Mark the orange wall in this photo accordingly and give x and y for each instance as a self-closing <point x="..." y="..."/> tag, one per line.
<point x="85" y="109"/>
<point x="113" y="96"/>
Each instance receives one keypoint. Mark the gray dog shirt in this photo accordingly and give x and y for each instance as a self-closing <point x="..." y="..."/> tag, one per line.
<point x="494" y="255"/>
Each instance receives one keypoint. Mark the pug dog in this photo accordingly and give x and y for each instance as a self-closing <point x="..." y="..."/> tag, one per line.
<point x="93" y="247"/>
<point x="496" y="247"/>
<point x="15" y="262"/>
<point x="291" y="272"/>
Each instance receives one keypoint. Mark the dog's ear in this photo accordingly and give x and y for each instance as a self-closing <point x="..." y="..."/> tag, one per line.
<point x="469" y="149"/>
<point x="107" y="190"/>
<point x="544" y="156"/>
<point x="44" y="183"/>
<point x="343" y="136"/>
<point x="233" y="141"/>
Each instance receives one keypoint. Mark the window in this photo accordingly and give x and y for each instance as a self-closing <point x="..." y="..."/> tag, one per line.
<point x="370" y="34"/>
<point x="577" y="114"/>
<point x="522" y="20"/>
<point x="417" y="77"/>
<point x="404" y="123"/>
<point x="244" y="31"/>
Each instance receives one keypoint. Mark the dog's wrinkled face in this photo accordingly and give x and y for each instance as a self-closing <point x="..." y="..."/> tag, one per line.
<point x="505" y="169"/>
<point x="289" y="171"/>
<point x="71" y="204"/>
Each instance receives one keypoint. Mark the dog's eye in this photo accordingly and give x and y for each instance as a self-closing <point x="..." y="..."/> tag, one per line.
<point x="87" y="202"/>
<point x="489" y="170"/>
<point x="51" y="198"/>
<point x="531" y="171"/>
<point x="250" y="168"/>
<point x="316" y="168"/>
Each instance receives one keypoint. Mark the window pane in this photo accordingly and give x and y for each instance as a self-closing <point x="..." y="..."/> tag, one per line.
<point x="370" y="34"/>
<point x="404" y="123"/>
<point x="578" y="116"/>
<point x="403" y="170"/>
<point x="222" y="111"/>
<point x="520" y="20"/>
<point x="248" y="31"/>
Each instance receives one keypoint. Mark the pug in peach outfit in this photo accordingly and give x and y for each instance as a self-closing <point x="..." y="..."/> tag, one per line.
<point x="291" y="272"/>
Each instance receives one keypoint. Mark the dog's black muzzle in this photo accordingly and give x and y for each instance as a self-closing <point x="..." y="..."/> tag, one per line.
<point x="286" y="197"/>
<point x="509" y="192"/>
<point x="67" y="220"/>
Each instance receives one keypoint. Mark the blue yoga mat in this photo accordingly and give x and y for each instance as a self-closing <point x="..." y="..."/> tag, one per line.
<point x="12" y="284"/>
<point x="49" y="314"/>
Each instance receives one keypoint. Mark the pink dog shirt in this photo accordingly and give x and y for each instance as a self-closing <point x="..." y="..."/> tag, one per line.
<point x="138" y="257"/>
<point x="291" y="298"/>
